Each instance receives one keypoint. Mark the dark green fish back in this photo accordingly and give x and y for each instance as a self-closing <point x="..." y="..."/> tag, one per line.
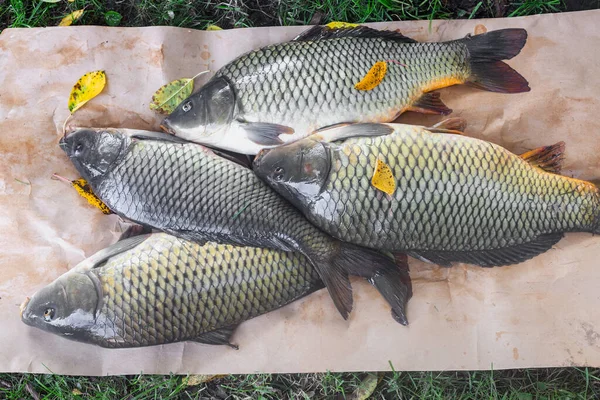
<point x="186" y="189"/>
<point x="453" y="194"/>
<point x="312" y="82"/>
<point x="168" y="289"/>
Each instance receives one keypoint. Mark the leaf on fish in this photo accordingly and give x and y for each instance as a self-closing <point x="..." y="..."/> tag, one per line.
<point x="166" y="99"/>
<point x="70" y="18"/>
<point x="373" y="77"/>
<point x="340" y="25"/>
<point x="383" y="178"/>
<point x="87" y="87"/>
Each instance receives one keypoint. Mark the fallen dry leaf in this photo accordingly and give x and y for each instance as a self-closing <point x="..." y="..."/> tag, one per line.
<point x="87" y="87"/>
<point x="70" y="18"/>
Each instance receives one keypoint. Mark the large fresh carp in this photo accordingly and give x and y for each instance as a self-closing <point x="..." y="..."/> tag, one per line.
<point x="448" y="198"/>
<point x="283" y="92"/>
<point x="158" y="289"/>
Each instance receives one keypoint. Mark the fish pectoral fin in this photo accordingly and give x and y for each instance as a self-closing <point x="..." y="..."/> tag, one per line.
<point x="494" y="257"/>
<point x="325" y="32"/>
<point x="450" y="125"/>
<point x="430" y="103"/>
<point x="265" y="133"/>
<point x="346" y="131"/>
<point x="149" y="135"/>
<point x="220" y="336"/>
<point x="119" y="247"/>
<point x="135" y="230"/>
<point x="548" y="158"/>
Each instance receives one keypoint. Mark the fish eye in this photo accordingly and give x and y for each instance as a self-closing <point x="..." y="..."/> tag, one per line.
<point x="187" y="106"/>
<point x="49" y="314"/>
<point x="279" y="170"/>
<point x="278" y="177"/>
<point x="78" y="147"/>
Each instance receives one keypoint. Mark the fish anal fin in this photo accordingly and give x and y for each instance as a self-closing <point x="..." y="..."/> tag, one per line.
<point x="266" y="134"/>
<point x="430" y="103"/>
<point x="221" y="336"/>
<point x="347" y="131"/>
<point x="326" y="32"/>
<point x="454" y="125"/>
<point x="492" y="258"/>
<point x="548" y="158"/>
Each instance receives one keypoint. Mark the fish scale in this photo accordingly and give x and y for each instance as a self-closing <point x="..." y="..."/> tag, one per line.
<point x="505" y="196"/>
<point x="327" y="75"/>
<point x="454" y="195"/>
<point x="191" y="289"/>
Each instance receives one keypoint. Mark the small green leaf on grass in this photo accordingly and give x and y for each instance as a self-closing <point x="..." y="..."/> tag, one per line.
<point x="112" y="18"/>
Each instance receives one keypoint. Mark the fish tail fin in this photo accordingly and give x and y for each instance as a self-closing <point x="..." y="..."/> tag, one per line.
<point x="486" y="52"/>
<point x="390" y="278"/>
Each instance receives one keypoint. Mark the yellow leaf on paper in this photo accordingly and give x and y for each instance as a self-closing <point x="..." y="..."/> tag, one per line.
<point x="85" y="191"/>
<point x="169" y="96"/>
<point x="87" y="87"/>
<point x="340" y="25"/>
<point x="373" y="77"/>
<point x="383" y="178"/>
<point x="70" y="18"/>
<point x="213" y="28"/>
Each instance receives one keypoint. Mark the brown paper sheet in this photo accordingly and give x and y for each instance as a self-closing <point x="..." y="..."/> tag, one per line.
<point x="540" y="313"/>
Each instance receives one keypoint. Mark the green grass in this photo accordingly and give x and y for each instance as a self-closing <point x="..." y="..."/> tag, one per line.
<point x="242" y="13"/>
<point x="558" y="383"/>
<point x="528" y="384"/>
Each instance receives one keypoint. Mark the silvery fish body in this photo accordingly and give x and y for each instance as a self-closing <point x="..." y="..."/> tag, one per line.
<point x="161" y="289"/>
<point x="456" y="198"/>
<point x="281" y="93"/>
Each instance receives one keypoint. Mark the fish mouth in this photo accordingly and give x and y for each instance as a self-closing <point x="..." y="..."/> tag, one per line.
<point x="23" y="307"/>
<point x="259" y="156"/>
<point x="165" y="125"/>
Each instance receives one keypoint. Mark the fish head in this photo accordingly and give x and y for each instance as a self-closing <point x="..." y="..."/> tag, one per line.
<point x="93" y="150"/>
<point x="204" y="114"/>
<point x="66" y="307"/>
<point x="298" y="171"/>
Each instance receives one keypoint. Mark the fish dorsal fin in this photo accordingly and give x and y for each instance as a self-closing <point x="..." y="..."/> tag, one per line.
<point x="346" y="131"/>
<point x="150" y="135"/>
<point x="491" y="258"/>
<point x="455" y="126"/>
<point x="121" y="246"/>
<point x="322" y="32"/>
<point x="548" y="158"/>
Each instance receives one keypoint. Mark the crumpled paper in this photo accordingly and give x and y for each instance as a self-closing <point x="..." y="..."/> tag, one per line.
<point x="540" y="313"/>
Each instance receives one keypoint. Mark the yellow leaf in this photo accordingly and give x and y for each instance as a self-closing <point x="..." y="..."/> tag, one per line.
<point x="341" y="25"/>
<point x="367" y="386"/>
<point x="169" y="96"/>
<point x="213" y="28"/>
<point x="194" y="380"/>
<point x="87" y="87"/>
<point x="166" y="99"/>
<point x="383" y="178"/>
<point x="70" y="18"/>
<point x="76" y="392"/>
<point x="373" y="77"/>
<point x="85" y="191"/>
